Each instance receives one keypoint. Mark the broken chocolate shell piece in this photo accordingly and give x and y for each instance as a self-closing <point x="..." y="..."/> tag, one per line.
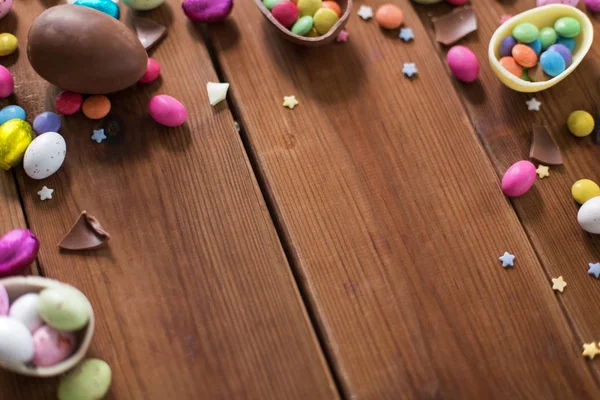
<point x="148" y="32"/>
<point x="454" y="26"/>
<point x="543" y="147"/>
<point x="86" y="234"/>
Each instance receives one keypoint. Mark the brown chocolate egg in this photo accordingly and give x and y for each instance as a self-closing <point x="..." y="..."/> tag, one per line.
<point x="85" y="51"/>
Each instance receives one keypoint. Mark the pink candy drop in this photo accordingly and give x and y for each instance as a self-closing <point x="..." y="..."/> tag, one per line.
<point x="518" y="179"/>
<point x="463" y="63"/>
<point x="51" y="346"/>
<point x="540" y="3"/>
<point x="152" y="71"/>
<point x="4" y="301"/>
<point x="7" y="83"/>
<point x="167" y="110"/>
<point x="592" y="5"/>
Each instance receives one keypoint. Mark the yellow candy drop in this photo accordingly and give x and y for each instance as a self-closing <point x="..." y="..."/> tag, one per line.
<point x="584" y="189"/>
<point x="309" y="7"/>
<point x="324" y="20"/>
<point x="313" y="33"/>
<point x="15" y="136"/>
<point x="580" y="123"/>
<point x="8" y="44"/>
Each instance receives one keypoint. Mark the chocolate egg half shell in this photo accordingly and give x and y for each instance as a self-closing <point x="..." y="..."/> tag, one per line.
<point x="85" y="51"/>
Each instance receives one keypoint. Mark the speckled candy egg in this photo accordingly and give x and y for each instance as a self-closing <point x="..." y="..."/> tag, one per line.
<point x="52" y="346"/>
<point x="540" y="3"/>
<point x="16" y="342"/>
<point x="518" y="179"/>
<point x="64" y="308"/>
<point x="4" y="301"/>
<point x="24" y="309"/>
<point x="589" y="216"/>
<point x="5" y="7"/>
<point x="45" y="155"/>
<point x="463" y="63"/>
<point x="143" y="4"/>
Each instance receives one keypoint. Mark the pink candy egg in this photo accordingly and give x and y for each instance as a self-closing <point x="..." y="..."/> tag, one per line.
<point x="286" y="13"/>
<point x="463" y="63"/>
<point x="7" y="83"/>
<point x="592" y="5"/>
<point x="152" y="71"/>
<point x="4" y="302"/>
<point x="5" y="7"/>
<point x="167" y="110"/>
<point x="51" y="346"/>
<point x="540" y="3"/>
<point x="518" y="179"/>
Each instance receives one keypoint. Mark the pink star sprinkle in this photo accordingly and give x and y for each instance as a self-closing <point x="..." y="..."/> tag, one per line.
<point x="505" y="18"/>
<point x="342" y="36"/>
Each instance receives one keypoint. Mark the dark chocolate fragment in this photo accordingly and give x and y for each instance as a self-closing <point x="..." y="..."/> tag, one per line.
<point x="85" y="51"/>
<point x="114" y="128"/>
<point x="148" y="31"/>
<point x="537" y="74"/>
<point x="86" y="234"/>
<point x="543" y="147"/>
<point x="455" y="25"/>
<point x="596" y="131"/>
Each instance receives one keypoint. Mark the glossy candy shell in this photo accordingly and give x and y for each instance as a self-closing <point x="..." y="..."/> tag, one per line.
<point x="541" y="16"/>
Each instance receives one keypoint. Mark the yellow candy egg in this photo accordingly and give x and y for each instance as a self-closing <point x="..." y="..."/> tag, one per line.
<point x="584" y="189"/>
<point x="324" y="20"/>
<point x="8" y="44"/>
<point x="313" y="32"/>
<point x="580" y="123"/>
<point x="309" y="7"/>
<point x="15" y="136"/>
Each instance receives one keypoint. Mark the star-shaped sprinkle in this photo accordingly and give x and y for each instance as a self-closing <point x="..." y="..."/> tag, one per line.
<point x="504" y="18"/>
<point x="558" y="284"/>
<point x="406" y="34"/>
<point x="590" y="350"/>
<point x="45" y="193"/>
<point x="533" y="104"/>
<point x="542" y="171"/>
<point x="290" y="102"/>
<point x="365" y="12"/>
<point x="409" y="69"/>
<point x="98" y="135"/>
<point x="594" y="269"/>
<point x="508" y="260"/>
<point x="342" y="36"/>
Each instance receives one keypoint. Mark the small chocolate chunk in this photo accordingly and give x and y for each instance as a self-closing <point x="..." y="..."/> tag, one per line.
<point x="86" y="234"/>
<point x="455" y="25"/>
<point x="543" y="147"/>
<point x="148" y="31"/>
<point x="537" y="74"/>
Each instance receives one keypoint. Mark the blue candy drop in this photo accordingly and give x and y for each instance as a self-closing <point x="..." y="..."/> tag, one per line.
<point x="569" y="43"/>
<point x="105" y="6"/>
<point x="536" y="45"/>
<point x="552" y="63"/>
<point x="11" y="112"/>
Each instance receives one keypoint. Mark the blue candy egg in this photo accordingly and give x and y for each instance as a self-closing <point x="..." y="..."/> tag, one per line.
<point x="552" y="62"/>
<point x="46" y="122"/>
<point x="11" y="112"/>
<point x="506" y="46"/>
<point x="536" y="45"/>
<point x="569" y="43"/>
<point x="105" y="6"/>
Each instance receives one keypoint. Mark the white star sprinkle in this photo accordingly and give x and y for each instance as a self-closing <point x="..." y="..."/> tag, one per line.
<point x="98" y="135"/>
<point x="409" y="69"/>
<point x="533" y="104"/>
<point x="365" y="12"/>
<point x="45" y="193"/>
<point x="290" y="102"/>
<point x="508" y="260"/>
<point x="406" y="34"/>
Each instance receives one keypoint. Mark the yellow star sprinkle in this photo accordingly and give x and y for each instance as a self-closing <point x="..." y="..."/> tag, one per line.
<point x="290" y="102"/>
<point x="542" y="171"/>
<point x="590" y="350"/>
<point x="558" y="284"/>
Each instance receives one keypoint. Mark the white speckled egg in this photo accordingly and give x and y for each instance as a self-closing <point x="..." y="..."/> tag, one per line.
<point x="5" y="7"/>
<point x="24" y="309"/>
<point x="589" y="216"/>
<point x="16" y="342"/>
<point x="45" y="155"/>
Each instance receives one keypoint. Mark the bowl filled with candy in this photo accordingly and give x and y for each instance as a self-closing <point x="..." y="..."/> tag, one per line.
<point x="538" y="48"/>
<point x="307" y="22"/>
<point x="46" y="326"/>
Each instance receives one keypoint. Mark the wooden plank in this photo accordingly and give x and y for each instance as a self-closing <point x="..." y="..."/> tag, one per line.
<point x="395" y="218"/>
<point x="194" y="297"/>
<point x="548" y="212"/>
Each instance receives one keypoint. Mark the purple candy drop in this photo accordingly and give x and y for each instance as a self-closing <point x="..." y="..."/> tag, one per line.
<point x="564" y="52"/>
<point x="207" y="10"/>
<point x="46" y="122"/>
<point x="506" y="46"/>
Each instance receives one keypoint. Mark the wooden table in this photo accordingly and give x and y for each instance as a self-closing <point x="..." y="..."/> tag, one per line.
<point x="346" y="249"/>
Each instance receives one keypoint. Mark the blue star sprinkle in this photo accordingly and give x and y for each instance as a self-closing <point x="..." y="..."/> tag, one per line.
<point x="594" y="270"/>
<point x="406" y="34"/>
<point x="98" y="135"/>
<point x="409" y="69"/>
<point x="508" y="260"/>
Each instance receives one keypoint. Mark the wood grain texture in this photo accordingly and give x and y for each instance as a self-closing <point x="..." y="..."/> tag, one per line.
<point x="395" y="218"/>
<point x="548" y="211"/>
<point x="193" y="295"/>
